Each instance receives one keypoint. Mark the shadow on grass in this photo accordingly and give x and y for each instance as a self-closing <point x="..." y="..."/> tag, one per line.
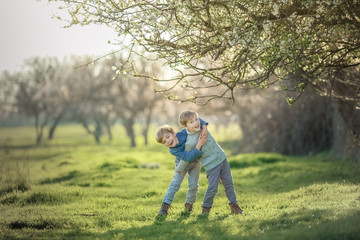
<point x="162" y="228"/>
<point x="283" y="227"/>
<point x="69" y="176"/>
<point x="340" y="229"/>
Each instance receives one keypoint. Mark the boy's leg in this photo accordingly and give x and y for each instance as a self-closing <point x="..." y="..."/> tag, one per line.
<point x="227" y="181"/>
<point x="173" y="188"/>
<point x="193" y="179"/>
<point x="170" y="194"/>
<point x="213" y="176"/>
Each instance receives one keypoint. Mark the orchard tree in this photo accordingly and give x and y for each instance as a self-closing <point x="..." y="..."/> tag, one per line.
<point x="8" y="89"/>
<point x="229" y="45"/>
<point x="90" y="104"/>
<point x="131" y="97"/>
<point x="60" y="98"/>
<point x="35" y="91"/>
<point x="238" y="44"/>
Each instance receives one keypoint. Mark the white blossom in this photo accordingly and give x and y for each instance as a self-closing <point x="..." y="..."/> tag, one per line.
<point x="275" y="10"/>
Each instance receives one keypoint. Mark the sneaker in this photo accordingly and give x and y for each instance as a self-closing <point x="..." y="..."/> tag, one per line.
<point x="206" y="210"/>
<point x="189" y="206"/>
<point x="164" y="210"/>
<point x="235" y="208"/>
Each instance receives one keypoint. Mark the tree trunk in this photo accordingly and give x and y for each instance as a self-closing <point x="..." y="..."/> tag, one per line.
<point x="147" y="125"/>
<point x="144" y="133"/>
<point x="97" y="132"/>
<point x="39" y="129"/>
<point x="108" y="130"/>
<point x="351" y="118"/>
<point x="129" y="126"/>
<point x="85" y="125"/>
<point x="348" y="111"/>
<point x="38" y="140"/>
<point x="54" y="125"/>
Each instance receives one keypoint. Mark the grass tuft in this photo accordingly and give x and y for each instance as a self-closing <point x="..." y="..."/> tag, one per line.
<point x="14" y="175"/>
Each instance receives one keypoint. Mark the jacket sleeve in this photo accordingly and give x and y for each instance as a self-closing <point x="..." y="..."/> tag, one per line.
<point x="187" y="156"/>
<point x="202" y="122"/>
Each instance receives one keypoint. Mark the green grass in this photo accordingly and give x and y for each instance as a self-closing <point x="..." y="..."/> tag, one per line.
<point x="71" y="188"/>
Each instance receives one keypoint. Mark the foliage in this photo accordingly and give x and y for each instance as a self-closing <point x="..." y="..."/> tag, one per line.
<point x="238" y="44"/>
<point x="307" y="127"/>
<point x="103" y="192"/>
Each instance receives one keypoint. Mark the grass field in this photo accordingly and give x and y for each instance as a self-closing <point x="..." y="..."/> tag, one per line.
<point x="71" y="188"/>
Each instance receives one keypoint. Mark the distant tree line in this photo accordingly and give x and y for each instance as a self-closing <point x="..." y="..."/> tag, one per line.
<point x="99" y="94"/>
<point x="95" y="95"/>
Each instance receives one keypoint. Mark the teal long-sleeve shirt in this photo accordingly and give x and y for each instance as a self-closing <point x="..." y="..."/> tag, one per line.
<point x="179" y="150"/>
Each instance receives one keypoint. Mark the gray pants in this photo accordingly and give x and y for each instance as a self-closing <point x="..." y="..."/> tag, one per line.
<point x="220" y="172"/>
<point x="193" y="170"/>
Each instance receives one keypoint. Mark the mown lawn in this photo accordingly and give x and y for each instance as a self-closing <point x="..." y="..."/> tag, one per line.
<point x="71" y="188"/>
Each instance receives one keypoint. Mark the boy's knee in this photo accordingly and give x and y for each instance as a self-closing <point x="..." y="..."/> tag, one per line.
<point x="175" y="186"/>
<point x="212" y="191"/>
<point x="228" y="184"/>
<point x="193" y="186"/>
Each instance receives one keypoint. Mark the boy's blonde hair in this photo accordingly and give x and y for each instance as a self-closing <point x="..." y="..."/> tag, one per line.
<point x="185" y="116"/>
<point x="161" y="131"/>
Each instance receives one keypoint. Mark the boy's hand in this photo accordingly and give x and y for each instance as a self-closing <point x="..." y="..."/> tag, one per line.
<point x="201" y="141"/>
<point x="181" y="172"/>
<point x="204" y="131"/>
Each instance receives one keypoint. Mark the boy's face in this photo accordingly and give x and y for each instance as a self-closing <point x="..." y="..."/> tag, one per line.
<point x="170" y="140"/>
<point x="193" y="124"/>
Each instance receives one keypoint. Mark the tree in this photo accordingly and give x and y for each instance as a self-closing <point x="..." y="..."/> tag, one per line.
<point x="238" y="44"/>
<point x="89" y="97"/>
<point x="8" y="89"/>
<point x="35" y="93"/>
<point x="229" y="45"/>
<point x="131" y="97"/>
<point x="104" y="92"/>
<point x="60" y="98"/>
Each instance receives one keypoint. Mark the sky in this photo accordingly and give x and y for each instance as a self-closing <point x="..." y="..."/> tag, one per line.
<point x="28" y="28"/>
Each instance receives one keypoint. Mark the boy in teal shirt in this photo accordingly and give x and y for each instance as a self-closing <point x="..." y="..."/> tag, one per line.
<point x="212" y="158"/>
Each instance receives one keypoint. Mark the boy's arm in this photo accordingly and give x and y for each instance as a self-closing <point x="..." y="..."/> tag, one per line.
<point x="187" y="156"/>
<point x="179" y="151"/>
<point x="203" y="123"/>
<point x="203" y="130"/>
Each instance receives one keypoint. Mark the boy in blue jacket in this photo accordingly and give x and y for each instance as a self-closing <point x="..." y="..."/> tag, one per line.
<point x="211" y="157"/>
<point x="176" y="143"/>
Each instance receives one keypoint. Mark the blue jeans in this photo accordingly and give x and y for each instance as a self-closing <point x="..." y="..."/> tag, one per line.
<point x="220" y="172"/>
<point x="193" y="170"/>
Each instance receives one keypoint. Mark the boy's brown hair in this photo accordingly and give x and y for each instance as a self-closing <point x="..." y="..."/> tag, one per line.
<point x="161" y="131"/>
<point x="185" y="116"/>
